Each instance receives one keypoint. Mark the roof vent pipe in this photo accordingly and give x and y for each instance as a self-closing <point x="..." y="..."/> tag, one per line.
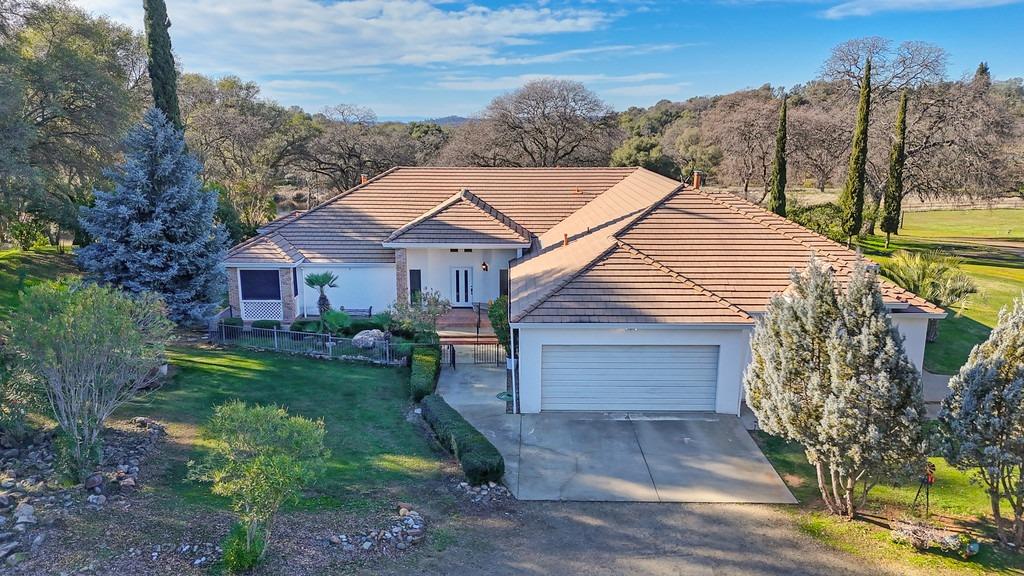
<point x="363" y="178"/>
<point x="565" y="240"/>
<point x="697" y="177"/>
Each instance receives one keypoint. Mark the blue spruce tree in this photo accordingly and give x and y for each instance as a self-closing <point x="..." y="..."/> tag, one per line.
<point x="155" y="231"/>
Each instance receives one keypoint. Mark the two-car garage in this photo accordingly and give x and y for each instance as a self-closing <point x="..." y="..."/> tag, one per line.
<point x="599" y="368"/>
<point x="629" y="377"/>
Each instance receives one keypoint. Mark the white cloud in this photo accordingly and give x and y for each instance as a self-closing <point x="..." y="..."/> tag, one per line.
<point x="869" y="7"/>
<point x="478" y="83"/>
<point x="255" y="38"/>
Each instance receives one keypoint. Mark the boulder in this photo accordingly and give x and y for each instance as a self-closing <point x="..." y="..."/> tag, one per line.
<point x="93" y="481"/>
<point x="368" y="338"/>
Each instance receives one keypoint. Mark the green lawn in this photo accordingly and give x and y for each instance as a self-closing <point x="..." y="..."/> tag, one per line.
<point x="984" y="239"/>
<point x="20" y="269"/>
<point x="952" y="495"/>
<point x="376" y="455"/>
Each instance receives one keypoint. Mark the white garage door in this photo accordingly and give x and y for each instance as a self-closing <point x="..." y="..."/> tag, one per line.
<point x="620" y="378"/>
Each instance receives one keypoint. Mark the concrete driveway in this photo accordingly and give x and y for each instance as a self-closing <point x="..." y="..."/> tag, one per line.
<point x="685" y="457"/>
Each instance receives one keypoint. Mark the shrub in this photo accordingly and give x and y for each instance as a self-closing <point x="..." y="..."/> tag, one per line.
<point x="497" y="313"/>
<point x="825" y="219"/>
<point x="426" y="367"/>
<point x="232" y="322"/>
<point x="91" y="348"/>
<point x="480" y="460"/>
<point x="335" y="321"/>
<point x="19" y="395"/>
<point x="267" y="324"/>
<point x="358" y="326"/>
<point x="240" y="556"/>
<point x="260" y="458"/>
<point x="303" y="326"/>
<point x="421" y="314"/>
<point x="384" y="321"/>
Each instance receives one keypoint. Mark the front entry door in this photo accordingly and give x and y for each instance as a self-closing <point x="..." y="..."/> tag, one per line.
<point x="462" y="286"/>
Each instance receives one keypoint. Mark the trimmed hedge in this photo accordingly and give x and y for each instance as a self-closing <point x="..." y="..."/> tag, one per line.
<point x="304" y="326"/>
<point x="234" y="321"/>
<point x="426" y="367"/>
<point x="268" y="324"/>
<point x="480" y="460"/>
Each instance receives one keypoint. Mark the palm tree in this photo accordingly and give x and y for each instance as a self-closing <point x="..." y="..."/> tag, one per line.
<point x="933" y="276"/>
<point x="320" y="281"/>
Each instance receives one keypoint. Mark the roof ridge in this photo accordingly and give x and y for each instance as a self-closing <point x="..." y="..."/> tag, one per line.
<point x="498" y="215"/>
<point x="283" y="244"/>
<point x="562" y="284"/>
<point x="762" y="214"/>
<point x="647" y="211"/>
<point x="681" y="278"/>
<point x="431" y="212"/>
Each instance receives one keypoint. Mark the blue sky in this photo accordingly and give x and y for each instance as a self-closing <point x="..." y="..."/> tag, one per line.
<point x="419" y="59"/>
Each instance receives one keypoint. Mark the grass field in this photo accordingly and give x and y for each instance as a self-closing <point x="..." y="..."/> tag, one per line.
<point x="375" y="453"/>
<point x="991" y="243"/>
<point x="20" y="269"/>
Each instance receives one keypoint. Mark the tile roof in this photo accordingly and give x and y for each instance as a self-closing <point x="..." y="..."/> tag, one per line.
<point x="351" y="226"/>
<point x="727" y="247"/>
<point x="464" y="218"/>
<point x="270" y="248"/>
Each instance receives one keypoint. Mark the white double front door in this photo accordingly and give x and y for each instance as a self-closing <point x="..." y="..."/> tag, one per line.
<point x="462" y="286"/>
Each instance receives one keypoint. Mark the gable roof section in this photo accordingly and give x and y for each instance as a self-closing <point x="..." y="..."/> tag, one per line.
<point x="624" y="286"/>
<point x="717" y="244"/>
<point x="272" y="249"/>
<point x="351" y="226"/>
<point x="464" y="218"/>
<point x="589" y="231"/>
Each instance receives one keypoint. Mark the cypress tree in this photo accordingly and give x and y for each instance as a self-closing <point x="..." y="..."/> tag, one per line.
<point x="894" y="188"/>
<point x="851" y="201"/>
<point x="777" y="199"/>
<point x="161" y="61"/>
<point x="155" y="231"/>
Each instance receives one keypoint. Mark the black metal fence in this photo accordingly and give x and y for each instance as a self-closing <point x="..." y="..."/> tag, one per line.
<point x="488" y="353"/>
<point x="311" y="343"/>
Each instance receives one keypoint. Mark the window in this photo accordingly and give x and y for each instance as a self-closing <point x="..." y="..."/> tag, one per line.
<point x="415" y="283"/>
<point x="467" y="249"/>
<point x="259" y="284"/>
<point x="503" y="282"/>
<point x="453" y="249"/>
<point x="295" y="281"/>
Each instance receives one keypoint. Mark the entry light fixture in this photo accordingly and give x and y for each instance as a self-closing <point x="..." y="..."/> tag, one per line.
<point x="484" y="267"/>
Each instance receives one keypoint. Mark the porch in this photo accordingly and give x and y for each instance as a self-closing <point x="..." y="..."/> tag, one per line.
<point x="466" y="326"/>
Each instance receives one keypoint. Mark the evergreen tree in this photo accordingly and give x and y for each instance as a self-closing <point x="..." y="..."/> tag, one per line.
<point x="852" y="198"/>
<point x="894" y="188"/>
<point x="982" y="77"/>
<point x="829" y="371"/>
<point x="982" y="420"/>
<point x="161" y="61"/>
<point x="777" y="198"/>
<point x="155" y="231"/>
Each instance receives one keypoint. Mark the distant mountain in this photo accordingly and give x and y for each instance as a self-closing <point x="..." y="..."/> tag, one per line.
<point x="449" y="120"/>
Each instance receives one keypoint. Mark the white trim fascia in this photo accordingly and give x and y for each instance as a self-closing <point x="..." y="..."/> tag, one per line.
<point x="929" y="315"/>
<point x="347" y="264"/>
<point x="632" y="326"/>
<point x="464" y="245"/>
<point x="263" y="266"/>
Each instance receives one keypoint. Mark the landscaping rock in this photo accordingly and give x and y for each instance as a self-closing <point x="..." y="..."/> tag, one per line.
<point x="16" y="558"/>
<point x="95" y="480"/>
<point x="368" y="338"/>
<point x="6" y="549"/>
<point x="97" y="499"/>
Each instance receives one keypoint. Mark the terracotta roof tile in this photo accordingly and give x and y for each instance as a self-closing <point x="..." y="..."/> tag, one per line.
<point x="464" y="218"/>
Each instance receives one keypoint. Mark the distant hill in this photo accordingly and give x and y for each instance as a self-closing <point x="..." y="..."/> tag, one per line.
<point x="449" y="120"/>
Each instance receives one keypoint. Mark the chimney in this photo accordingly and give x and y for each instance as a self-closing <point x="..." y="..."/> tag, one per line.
<point x="363" y="178"/>
<point x="697" y="177"/>
<point x="565" y="240"/>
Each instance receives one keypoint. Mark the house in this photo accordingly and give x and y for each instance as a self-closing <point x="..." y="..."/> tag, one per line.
<point x="628" y="290"/>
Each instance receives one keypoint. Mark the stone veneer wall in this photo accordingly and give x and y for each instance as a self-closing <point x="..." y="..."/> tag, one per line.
<point x="287" y="294"/>
<point x="401" y="274"/>
<point x="234" y="301"/>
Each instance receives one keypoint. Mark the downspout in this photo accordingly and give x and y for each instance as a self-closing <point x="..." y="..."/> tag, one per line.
<point x="515" y="368"/>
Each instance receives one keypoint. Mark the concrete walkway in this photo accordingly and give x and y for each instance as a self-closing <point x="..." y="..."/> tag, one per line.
<point x="614" y="456"/>
<point x="936" y="387"/>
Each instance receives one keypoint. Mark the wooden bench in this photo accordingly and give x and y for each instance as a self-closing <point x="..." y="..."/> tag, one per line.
<point x="358" y="312"/>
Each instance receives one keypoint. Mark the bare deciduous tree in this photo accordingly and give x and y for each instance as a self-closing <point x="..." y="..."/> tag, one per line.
<point x="893" y="68"/>
<point x="742" y="125"/>
<point x="820" y="137"/>
<point x="547" y="122"/>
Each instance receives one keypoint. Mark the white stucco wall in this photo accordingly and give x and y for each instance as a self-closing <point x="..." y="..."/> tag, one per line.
<point x="436" y="265"/>
<point x="733" y="355"/>
<point x="914" y="328"/>
<point x="359" y="286"/>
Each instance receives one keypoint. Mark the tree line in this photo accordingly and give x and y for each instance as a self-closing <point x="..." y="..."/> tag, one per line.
<point x="71" y="85"/>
